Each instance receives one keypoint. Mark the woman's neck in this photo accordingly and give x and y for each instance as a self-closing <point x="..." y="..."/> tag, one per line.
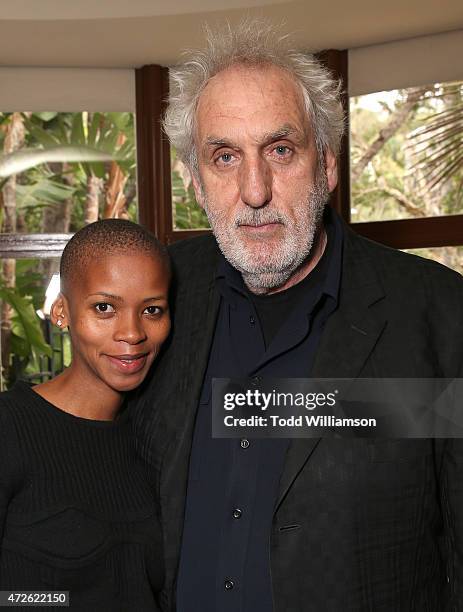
<point x="70" y="392"/>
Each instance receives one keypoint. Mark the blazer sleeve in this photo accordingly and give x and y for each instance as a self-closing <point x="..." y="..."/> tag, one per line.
<point x="452" y="505"/>
<point x="451" y="473"/>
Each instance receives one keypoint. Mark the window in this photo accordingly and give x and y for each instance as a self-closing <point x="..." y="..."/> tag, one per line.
<point x="59" y="172"/>
<point x="406" y="165"/>
<point x="406" y="157"/>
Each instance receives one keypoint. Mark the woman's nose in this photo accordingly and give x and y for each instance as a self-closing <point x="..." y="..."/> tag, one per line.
<point x="130" y="329"/>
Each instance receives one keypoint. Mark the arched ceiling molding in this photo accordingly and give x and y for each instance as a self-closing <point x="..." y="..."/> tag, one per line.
<point x="54" y="10"/>
<point x="133" y="41"/>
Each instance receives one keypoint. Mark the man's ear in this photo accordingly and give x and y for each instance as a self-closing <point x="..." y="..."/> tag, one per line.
<point x="331" y="170"/>
<point x="197" y="187"/>
<point x="59" y="312"/>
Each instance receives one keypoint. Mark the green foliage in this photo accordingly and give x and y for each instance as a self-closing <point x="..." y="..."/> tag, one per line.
<point x="186" y="211"/>
<point x="405" y="163"/>
<point x="27" y="340"/>
<point x="188" y="215"/>
<point x="438" y="141"/>
<point x="61" y="151"/>
<point x="30" y="282"/>
<point x="400" y="180"/>
<point x="25" y="159"/>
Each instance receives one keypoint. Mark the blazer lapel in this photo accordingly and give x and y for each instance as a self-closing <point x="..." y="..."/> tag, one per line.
<point x="348" y="339"/>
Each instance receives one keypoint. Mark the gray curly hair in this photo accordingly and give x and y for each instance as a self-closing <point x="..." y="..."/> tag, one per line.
<point x="252" y="43"/>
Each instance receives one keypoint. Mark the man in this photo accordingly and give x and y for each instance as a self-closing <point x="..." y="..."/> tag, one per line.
<point x="285" y="289"/>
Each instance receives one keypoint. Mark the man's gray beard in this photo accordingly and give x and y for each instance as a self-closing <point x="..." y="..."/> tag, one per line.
<point x="270" y="267"/>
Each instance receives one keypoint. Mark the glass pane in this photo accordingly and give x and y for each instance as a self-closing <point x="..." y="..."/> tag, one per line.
<point x="32" y="349"/>
<point x="406" y="153"/>
<point x="186" y="213"/>
<point x="452" y="257"/>
<point x="64" y="170"/>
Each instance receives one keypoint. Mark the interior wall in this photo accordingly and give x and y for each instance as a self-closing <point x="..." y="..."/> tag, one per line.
<point x="67" y="89"/>
<point x="406" y="63"/>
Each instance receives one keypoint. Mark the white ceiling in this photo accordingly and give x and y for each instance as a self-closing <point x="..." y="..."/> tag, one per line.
<point x="130" y="33"/>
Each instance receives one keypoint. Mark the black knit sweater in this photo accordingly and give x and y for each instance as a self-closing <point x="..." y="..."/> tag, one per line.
<point x="77" y="508"/>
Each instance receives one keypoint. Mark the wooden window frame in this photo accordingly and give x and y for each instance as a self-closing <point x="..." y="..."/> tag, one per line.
<point x="32" y="246"/>
<point x="155" y="190"/>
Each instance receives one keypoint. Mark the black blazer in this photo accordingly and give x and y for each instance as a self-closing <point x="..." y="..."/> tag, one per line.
<point x="361" y="525"/>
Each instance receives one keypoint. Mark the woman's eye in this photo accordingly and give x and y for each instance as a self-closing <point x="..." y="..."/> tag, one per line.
<point x="153" y="310"/>
<point x="104" y="307"/>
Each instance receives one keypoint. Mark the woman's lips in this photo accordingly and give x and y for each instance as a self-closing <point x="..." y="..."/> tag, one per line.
<point x="128" y="364"/>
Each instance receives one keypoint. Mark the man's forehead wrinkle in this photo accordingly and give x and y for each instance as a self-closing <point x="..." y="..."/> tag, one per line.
<point x="260" y="90"/>
<point x="285" y="131"/>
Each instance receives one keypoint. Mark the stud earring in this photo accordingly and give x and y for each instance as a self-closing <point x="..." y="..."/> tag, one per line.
<point x="59" y="322"/>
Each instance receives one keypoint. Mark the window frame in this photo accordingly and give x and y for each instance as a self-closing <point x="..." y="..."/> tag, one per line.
<point x="155" y="190"/>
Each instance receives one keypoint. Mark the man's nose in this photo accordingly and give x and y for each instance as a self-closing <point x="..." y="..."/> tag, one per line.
<point x="255" y="179"/>
<point x="129" y="329"/>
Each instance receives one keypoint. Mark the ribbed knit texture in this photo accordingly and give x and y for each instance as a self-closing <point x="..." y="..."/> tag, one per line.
<point x="77" y="508"/>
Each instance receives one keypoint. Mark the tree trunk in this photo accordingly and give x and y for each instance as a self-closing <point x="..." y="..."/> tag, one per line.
<point x="115" y="201"/>
<point x="91" y="202"/>
<point x="57" y="220"/>
<point x="14" y="140"/>
<point x="396" y="120"/>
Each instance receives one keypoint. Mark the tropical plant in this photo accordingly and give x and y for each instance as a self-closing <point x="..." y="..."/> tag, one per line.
<point x="186" y="211"/>
<point x="407" y="158"/>
<point x="438" y="143"/>
<point x="26" y="340"/>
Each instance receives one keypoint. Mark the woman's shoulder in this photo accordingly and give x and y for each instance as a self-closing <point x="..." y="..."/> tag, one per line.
<point x="14" y="401"/>
<point x="10" y="456"/>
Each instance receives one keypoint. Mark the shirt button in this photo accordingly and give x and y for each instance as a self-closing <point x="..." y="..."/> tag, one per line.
<point x="237" y="513"/>
<point x="229" y="584"/>
<point x="244" y="443"/>
<point x="252" y="320"/>
<point x="255" y="380"/>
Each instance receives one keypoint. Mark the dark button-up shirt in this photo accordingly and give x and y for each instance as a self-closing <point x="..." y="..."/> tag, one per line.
<point x="233" y="484"/>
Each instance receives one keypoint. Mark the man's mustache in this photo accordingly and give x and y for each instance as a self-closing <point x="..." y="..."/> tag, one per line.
<point x="259" y="217"/>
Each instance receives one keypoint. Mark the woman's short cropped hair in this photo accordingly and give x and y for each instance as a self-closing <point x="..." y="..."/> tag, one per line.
<point x="107" y="237"/>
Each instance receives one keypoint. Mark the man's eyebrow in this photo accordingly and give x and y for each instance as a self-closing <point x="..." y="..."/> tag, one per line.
<point x="214" y="141"/>
<point x="283" y="132"/>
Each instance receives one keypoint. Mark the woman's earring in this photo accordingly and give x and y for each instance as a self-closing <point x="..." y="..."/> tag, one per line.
<point x="59" y="322"/>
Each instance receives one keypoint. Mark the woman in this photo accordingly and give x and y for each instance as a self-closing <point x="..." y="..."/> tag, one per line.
<point x="77" y="510"/>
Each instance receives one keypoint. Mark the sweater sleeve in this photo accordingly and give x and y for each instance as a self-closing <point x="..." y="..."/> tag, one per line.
<point x="10" y="462"/>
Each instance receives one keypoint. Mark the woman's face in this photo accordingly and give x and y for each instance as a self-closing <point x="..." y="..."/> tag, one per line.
<point x="118" y="317"/>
